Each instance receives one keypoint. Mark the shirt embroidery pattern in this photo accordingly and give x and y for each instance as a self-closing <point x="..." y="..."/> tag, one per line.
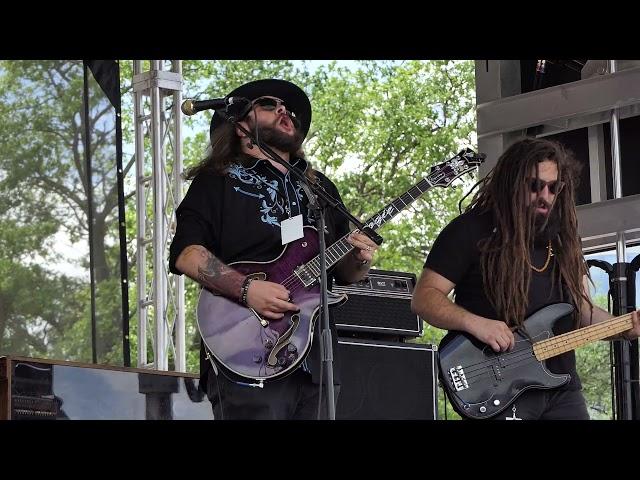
<point x="272" y="203"/>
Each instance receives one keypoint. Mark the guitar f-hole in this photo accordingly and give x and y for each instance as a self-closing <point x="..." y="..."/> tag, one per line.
<point x="272" y="360"/>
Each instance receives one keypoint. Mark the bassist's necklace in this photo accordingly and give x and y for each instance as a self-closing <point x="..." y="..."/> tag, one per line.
<point x="546" y="264"/>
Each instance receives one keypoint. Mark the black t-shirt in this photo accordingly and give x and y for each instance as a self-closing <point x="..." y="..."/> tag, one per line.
<point x="456" y="256"/>
<point x="237" y="217"/>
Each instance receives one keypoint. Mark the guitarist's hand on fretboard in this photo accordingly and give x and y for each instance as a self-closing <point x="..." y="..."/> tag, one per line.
<point x="365" y="247"/>
<point x="269" y="299"/>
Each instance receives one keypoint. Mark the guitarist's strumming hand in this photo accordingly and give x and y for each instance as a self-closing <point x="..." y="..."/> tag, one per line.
<point x="494" y="333"/>
<point x="269" y="299"/>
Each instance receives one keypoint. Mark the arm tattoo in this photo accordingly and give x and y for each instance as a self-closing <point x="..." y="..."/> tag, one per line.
<point x="217" y="276"/>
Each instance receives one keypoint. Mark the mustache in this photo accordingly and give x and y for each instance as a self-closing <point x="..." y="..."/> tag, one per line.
<point x="541" y="202"/>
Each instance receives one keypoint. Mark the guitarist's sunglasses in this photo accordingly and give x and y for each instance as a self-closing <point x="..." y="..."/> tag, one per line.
<point x="271" y="103"/>
<point x="536" y="185"/>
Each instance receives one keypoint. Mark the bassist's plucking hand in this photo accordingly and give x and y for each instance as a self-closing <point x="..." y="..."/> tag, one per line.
<point x="494" y="333"/>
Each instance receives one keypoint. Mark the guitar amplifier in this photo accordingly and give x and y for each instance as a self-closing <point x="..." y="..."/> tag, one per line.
<point x="381" y="304"/>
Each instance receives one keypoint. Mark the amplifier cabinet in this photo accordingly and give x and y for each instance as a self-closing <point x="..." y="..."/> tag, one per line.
<point x="387" y="381"/>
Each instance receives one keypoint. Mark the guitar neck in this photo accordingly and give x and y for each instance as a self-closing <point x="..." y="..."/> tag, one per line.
<point x="570" y="341"/>
<point x="399" y="204"/>
<point x="342" y="247"/>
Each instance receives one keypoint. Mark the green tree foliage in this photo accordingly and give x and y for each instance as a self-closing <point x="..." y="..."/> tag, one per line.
<point x="44" y="202"/>
<point x="377" y="129"/>
<point x="594" y="369"/>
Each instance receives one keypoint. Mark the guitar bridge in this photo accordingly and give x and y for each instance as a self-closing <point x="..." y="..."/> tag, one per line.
<point x="458" y="378"/>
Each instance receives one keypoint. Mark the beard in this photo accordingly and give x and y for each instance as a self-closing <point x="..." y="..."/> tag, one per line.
<point x="280" y="140"/>
<point x="546" y="226"/>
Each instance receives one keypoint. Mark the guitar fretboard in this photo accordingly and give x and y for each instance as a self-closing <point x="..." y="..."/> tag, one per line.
<point x="441" y="176"/>
<point x="342" y="247"/>
<point x="572" y="340"/>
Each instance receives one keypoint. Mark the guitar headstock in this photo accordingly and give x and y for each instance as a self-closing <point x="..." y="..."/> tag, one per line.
<point x="444" y="173"/>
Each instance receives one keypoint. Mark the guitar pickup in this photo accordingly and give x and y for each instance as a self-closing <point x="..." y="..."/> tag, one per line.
<point x="497" y="372"/>
<point x="458" y="378"/>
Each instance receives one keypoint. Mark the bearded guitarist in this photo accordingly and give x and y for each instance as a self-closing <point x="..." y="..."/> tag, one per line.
<point x="514" y="251"/>
<point x="243" y="206"/>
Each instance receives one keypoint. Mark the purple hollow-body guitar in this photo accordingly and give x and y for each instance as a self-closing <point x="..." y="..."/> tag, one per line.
<point x="254" y="348"/>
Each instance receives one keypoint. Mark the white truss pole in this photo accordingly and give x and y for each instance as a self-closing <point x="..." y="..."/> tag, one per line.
<point x="162" y="299"/>
<point x="181" y="355"/>
<point x="159" y="231"/>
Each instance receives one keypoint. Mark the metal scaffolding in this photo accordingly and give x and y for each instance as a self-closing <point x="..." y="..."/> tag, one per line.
<point x="158" y="139"/>
<point x="504" y="113"/>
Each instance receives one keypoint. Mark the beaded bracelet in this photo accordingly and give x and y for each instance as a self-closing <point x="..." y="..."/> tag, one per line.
<point x="244" y="290"/>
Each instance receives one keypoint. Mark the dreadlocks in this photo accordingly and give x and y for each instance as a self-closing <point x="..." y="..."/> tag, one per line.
<point x="505" y="255"/>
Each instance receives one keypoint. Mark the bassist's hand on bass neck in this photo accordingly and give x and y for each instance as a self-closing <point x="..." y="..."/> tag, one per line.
<point x="634" y="332"/>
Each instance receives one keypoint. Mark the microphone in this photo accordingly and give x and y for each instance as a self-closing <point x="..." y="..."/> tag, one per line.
<point x="191" y="107"/>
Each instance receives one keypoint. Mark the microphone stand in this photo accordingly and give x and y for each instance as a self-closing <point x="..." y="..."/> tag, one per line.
<point x="318" y="200"/>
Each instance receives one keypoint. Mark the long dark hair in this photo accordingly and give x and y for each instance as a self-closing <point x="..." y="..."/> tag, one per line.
<point x="505" y="255"/>
<point x="225" y="148"/>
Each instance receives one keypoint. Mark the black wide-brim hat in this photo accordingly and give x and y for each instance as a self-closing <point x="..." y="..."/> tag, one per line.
<point x="293" y="97"/>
